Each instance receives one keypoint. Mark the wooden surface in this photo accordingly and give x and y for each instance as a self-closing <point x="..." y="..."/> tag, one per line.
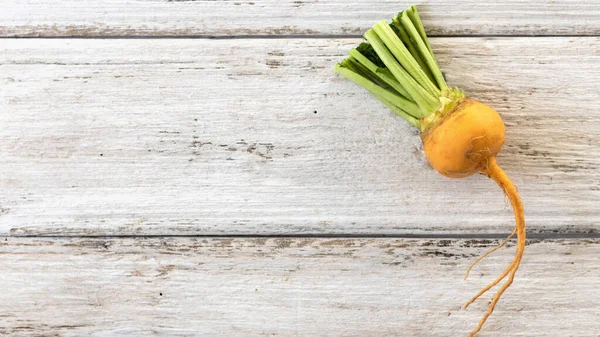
<point x="122" y="158"/>
<point x="290" y="287"/>
<point x="291" y="17"/>
<point x="196" y="137"/>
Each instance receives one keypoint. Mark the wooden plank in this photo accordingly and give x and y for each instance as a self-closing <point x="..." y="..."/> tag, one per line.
<point x="290" y="287"/>
<point x="259" y="136"/>
<point x="276" y="17"/>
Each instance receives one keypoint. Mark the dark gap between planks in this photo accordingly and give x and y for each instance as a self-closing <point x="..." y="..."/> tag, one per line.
<point x="290" y="36"/>
<point x="530" y="236"/>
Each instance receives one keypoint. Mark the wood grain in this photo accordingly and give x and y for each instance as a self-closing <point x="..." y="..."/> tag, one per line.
<point x="260" y="137"/>
<point x="286" y="17"/>
<point x="290" y="287"/>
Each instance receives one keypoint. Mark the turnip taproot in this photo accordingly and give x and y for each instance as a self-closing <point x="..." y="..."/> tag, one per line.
<point x="460" y="136"/>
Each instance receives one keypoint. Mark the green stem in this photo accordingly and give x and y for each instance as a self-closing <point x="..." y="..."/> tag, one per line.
<point x="382" y="73"/>
<point x="428" y="102"/>
<point x="408" y="108"/>
<point x="413" y="13"/>
<point x="415" y="122"/>
<point x="412" y="48"/>
<point x="423" y="48"/>
<point x="379" y="78"/>
<point x="397" y="48"/>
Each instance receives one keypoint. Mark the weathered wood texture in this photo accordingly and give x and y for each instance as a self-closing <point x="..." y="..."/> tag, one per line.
<point x="290" y="287"/>
<point x="276" y="17"/>
<point x="261" y="137"/>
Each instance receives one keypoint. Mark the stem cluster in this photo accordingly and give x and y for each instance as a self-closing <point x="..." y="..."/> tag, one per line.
<point x="398" y="67"/>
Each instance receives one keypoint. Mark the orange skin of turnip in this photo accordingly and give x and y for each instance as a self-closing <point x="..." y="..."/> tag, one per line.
<point x="466" y="141"/>
<point x="461" y="143"/>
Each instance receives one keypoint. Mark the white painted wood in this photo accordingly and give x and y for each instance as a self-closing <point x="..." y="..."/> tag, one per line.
<point x="276" y="17"/>
<point x="290" y="287"/>
<point x="103" y="137"/>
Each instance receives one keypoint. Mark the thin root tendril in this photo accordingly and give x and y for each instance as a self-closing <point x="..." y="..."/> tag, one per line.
<point x="493" y="170"/>
<point x="490" y="251"/>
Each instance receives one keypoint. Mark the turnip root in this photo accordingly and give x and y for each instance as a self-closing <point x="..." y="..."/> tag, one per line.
<point x="461" y="136"/>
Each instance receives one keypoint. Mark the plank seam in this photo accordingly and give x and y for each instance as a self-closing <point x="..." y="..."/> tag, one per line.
<point x="274" y="37"/>
<point x="530" y="236"/>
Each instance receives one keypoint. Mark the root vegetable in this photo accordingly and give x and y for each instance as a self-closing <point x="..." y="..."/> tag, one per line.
<point x="460" y="136"/>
